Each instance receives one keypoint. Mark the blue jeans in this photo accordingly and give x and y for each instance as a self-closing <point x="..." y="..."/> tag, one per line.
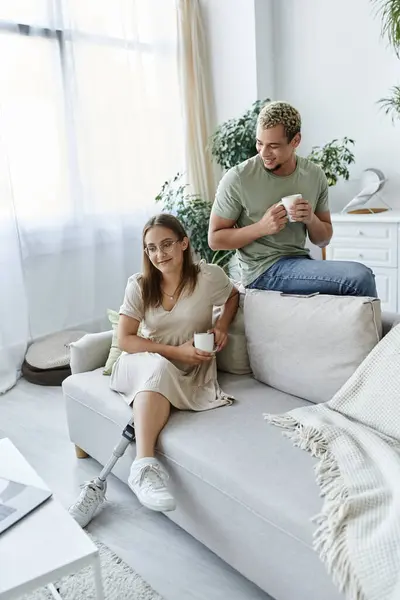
<point x="302" y="275"/>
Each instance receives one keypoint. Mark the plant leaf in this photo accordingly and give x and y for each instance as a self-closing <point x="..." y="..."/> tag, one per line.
<point x="391" y="104"/>
<point x="334" y="159"/>
<point x="389" y="11"/>
<point x="234" y="141"/>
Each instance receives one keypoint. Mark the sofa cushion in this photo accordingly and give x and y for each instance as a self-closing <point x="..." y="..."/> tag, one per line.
<point x="234" y="450"/>
<point x="231" y="449"/>
<point x="309" y="346"/>
<point x="234" y="357"/>
<point x="93" y="390"/>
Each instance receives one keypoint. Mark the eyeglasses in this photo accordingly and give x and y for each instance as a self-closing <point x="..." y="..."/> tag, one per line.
<point x="165" y="248"/>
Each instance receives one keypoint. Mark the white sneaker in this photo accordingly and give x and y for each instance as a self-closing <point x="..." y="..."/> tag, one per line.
<point x="90" y="498"/>
<point x="147" y="480"/>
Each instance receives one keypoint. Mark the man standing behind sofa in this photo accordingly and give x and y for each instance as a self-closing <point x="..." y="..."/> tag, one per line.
<point x="246" y="216"/>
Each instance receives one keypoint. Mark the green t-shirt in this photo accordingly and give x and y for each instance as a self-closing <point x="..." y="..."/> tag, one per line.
<point x="248" y="190"/>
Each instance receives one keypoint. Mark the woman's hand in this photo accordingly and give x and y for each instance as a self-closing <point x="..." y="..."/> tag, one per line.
<point x="220" y="336"/>
<point x="190" y="355"/>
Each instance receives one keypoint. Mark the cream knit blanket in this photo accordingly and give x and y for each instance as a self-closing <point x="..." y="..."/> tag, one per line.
<point x="356" y="437"/>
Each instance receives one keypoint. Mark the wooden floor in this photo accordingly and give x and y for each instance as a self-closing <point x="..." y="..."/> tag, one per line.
<point x="172" y="562"/>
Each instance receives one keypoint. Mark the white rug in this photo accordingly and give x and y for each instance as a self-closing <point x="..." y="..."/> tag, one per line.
<point x="119" y="580"/>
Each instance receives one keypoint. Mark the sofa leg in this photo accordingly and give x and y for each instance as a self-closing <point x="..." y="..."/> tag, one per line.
<point x="80" y="453"/>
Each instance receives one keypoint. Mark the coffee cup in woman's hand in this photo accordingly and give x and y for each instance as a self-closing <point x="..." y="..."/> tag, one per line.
<point x="204" y="341"/>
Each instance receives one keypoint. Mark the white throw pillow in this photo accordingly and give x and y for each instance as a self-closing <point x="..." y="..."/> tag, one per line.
<point x="234" y="357"/>
<point x="309" y="346"/>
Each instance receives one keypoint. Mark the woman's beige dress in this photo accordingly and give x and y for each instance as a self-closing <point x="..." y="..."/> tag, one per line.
<point x="186" y="387"/>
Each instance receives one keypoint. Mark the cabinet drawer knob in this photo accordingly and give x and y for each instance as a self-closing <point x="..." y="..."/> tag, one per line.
<point x="361" y="255"/>
<point x="360" y="232"/>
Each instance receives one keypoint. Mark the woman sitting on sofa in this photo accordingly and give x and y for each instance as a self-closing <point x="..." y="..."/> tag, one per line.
<point x="160" y="367"/>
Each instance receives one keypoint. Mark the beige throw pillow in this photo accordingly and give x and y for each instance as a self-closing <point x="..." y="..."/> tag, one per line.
<point x="234" y="357"/>
<point x="309" y="347"/>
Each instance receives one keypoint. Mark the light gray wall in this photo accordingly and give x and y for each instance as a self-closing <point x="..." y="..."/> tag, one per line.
<point x="230" y="31"/>
<point x="265" y="41"/>
<point x="333" y="66"/>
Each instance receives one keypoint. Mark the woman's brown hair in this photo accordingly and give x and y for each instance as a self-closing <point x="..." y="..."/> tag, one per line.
<point x="151" y="277"/>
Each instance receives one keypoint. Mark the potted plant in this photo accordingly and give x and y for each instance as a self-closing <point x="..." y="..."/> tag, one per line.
<point x="334" y="159"/>
<point x="234" y="141"/>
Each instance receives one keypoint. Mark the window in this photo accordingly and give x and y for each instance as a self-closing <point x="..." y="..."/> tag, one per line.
<point x="90" y="121"/>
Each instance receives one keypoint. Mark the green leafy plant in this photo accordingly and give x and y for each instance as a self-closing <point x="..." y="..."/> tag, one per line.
<point x="194" y="214"/>
<point x="334" y="159"/>
<point x="389" y="11"/>
<point x="391" y="104"/>
<point x="234" y="141"/>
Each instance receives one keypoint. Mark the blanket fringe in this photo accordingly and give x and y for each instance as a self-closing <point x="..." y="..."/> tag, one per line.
<point x="330" y="540"/>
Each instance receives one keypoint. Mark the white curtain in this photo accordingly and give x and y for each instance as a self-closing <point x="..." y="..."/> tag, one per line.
<point x="196" y="91"/>
<point x="90" y="128"/>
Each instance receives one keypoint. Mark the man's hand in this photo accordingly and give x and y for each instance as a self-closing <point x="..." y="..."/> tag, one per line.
<point x="274" y="220"/>
<point x="301" y="212"/>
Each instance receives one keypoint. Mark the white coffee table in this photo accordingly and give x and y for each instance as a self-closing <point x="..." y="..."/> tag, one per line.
<point x="46" y="544"/>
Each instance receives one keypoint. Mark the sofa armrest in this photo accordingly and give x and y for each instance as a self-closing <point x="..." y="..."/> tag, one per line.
<point x="90" y="352"/>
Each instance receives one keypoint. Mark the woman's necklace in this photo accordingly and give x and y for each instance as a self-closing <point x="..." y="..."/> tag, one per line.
<point x="173" y="295"/>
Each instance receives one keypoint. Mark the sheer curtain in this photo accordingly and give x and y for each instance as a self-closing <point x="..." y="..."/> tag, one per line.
<point x="90" y="128"/>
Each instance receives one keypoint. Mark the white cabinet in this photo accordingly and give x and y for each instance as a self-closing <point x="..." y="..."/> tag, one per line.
<point x="371" y="239"/>
<point x="387" y="286"/>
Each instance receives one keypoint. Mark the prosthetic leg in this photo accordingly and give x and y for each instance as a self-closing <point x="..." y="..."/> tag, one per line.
<point x="94" y="491"/>
<point x="128" y="436"/>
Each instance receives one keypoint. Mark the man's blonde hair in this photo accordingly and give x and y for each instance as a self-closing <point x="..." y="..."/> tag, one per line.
<point x="281" y="113"/>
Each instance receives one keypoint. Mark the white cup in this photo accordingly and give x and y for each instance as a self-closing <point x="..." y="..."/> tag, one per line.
<point x="204" y="341"/>
<point x="288" y="202"/>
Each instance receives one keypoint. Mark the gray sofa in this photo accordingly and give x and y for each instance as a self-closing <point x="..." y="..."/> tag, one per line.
<point x="242" y="489"/>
